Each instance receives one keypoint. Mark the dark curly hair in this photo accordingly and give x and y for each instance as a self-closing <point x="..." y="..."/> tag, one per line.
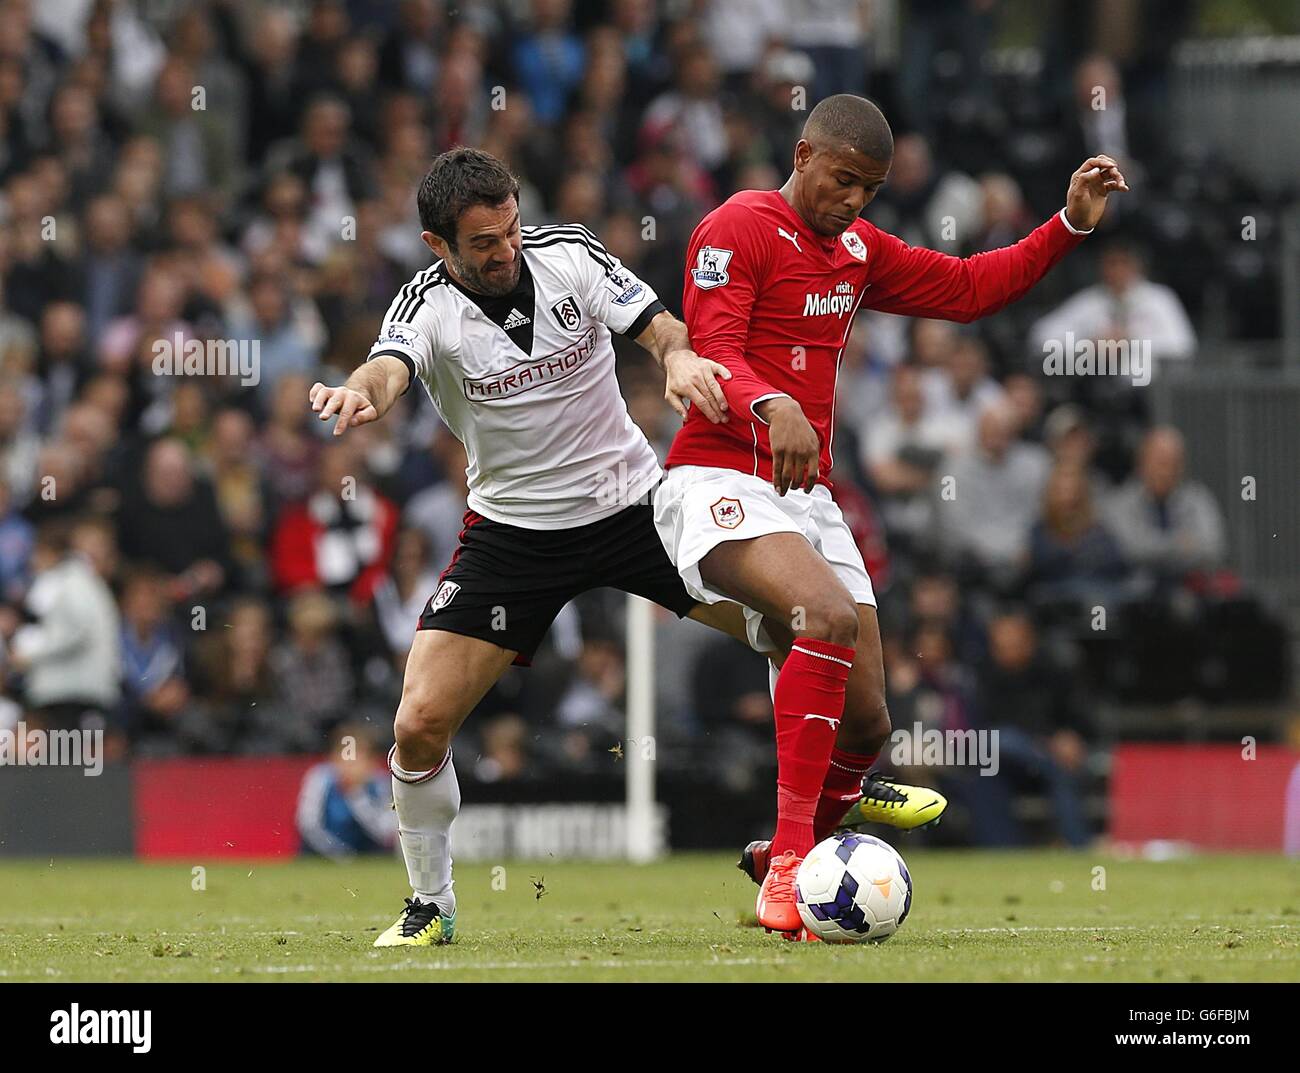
<point x="458" y="180"/>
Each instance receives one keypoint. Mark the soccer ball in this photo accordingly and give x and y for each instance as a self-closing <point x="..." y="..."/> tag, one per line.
<point x="853" y="888"/>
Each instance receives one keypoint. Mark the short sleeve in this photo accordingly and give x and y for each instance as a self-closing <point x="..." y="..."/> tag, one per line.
<point x="409" y="330"/>
<point x="612" y="293"/>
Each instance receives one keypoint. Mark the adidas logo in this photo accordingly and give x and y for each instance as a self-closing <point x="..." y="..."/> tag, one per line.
<point x="516" y="320"/>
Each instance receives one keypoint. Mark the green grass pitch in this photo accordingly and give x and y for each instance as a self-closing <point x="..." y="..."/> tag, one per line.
<point x="976" y="916"/>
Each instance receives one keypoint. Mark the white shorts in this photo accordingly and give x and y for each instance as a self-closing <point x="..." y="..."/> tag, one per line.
<point x="699" y="507"/>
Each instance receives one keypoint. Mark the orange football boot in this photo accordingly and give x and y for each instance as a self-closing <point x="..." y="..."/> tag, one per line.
<point x="776" y="909"/>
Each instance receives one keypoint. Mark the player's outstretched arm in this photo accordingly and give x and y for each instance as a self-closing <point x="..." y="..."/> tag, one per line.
<point x="369" y="393"/>
<point x="689" y="378"/>
<point x="915" y="282"/>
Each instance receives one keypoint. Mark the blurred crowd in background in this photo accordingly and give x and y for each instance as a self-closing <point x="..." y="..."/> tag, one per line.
<point x="176" y="561"/>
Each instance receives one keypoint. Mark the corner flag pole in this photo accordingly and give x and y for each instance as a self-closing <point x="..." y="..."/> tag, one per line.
<point x="639" y="746"/>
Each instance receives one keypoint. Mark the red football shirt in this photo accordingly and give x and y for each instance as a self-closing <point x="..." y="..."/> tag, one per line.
<point x="773" y="302"/>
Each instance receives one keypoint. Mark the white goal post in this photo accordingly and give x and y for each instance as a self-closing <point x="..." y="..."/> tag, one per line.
<point x="639" y="743"/>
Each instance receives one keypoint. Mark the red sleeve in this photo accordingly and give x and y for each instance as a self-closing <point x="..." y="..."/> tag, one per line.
<point x="925" y="283"/>
<point x="725" y="266"/>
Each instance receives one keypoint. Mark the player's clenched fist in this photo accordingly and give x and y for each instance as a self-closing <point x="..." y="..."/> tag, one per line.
<point x="352" y="407"/>
<point x="1085" y="201"/>
<point x="795" y="446"/>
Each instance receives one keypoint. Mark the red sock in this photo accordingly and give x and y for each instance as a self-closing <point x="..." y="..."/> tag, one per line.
<point x="840" y="789"/>
<point x="808" y="703"/>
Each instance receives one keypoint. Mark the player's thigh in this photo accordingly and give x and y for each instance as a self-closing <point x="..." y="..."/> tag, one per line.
<point x="447" y="674"/>
<point x="782" y="576"/>
<point x="725" y="616"/>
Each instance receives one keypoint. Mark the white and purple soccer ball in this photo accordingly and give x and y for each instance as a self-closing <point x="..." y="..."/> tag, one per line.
<point x="853" y="888"/>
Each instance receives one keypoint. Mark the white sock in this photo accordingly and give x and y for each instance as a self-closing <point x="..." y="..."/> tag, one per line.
<point x="427" y="802"/>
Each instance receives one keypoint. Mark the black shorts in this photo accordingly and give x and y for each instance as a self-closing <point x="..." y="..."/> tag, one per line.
<point x="506" y="584"/>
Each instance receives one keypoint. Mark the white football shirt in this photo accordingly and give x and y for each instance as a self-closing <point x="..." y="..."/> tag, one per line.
<point x="526" y="380"/>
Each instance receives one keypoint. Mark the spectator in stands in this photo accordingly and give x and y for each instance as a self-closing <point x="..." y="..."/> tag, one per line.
<point x="169" y="519"/>
<point x="400" y="596"/>
<point x="313" y="675"/>
<point x="692" y="107"/>
<point x="63" y="491"/>
<point x="590" y="713"/>
<point x="959" y="391"/>
<point x="1004" y="217"/>
<point x="438" y="511"/>
<point x="111" y="268"/>
<point x="988" y="500"/>
<point x="901" y="452"/>
<point x="287" y="332"/>
<point x="409" y="55"/>
<point x="341" y="538"/>
<point x="1034" y="706"/>
<point x="1166" y="523"/>
<point x="69" y="654"/>
<point x="503" y="754"/>
<point x="548" y="58"/>
<point x="230" y="460"/>
<point x="731" y="698"/>
<point x="334" y="168"/>
<point x="154" y="688"/>
<point x="197" y="153"/>
<point x="1073" y="559"/>
<point x="20" y="448"/>
<point x="345" y="803"/>
<point x="233" y="683"/>
<point x="834" y="36"/>
<point x="777" y="79"/>
<point x="1125" y="305"/>
<point x="95" y="539"/>
<point x="16" y="541"/>
<point x="288" y="451"/>
<point x="64" y="362"/>
<point x="923" y="204"/>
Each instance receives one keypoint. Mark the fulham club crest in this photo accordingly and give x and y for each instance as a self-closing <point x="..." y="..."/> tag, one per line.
<point x="566" y="312"/>
<point x="854" y="244"/>
<point x="728" y="513"/>
<point x="446" y="592"/>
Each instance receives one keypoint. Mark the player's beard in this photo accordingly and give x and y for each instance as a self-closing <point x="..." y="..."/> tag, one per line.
<point x="493" y="283"/>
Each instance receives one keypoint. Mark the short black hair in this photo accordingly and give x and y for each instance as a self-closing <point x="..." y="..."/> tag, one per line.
<point x="854" y="121"/>
<point x="458" y="180"/>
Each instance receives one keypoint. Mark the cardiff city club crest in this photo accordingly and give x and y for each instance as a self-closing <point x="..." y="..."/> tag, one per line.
<point x="711" y="267"/>
<point x="728" y="513"/>
<point x="854" y="244"/>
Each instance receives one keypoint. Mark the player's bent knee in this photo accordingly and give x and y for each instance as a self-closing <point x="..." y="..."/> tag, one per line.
<point x="833" y="620"/>
<point x="422" y="732"/>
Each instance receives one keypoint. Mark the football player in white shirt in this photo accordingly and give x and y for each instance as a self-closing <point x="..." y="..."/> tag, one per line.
<point x="509" y="331"/>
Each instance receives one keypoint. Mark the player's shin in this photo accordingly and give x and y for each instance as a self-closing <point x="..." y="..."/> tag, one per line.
<point x="841" y="789"/>
<point x="427" y="802"/>
<point x="808" y="704"/>
<point x="842" y="786"/>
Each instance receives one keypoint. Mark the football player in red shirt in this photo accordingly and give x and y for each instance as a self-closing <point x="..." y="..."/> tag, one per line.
<point x="774" y="278"/>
